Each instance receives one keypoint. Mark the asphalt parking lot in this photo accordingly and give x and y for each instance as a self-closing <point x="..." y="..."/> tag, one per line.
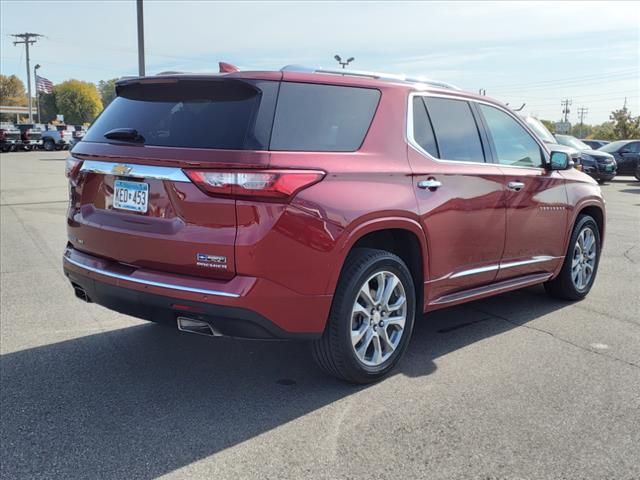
<point x="517" y="386"/>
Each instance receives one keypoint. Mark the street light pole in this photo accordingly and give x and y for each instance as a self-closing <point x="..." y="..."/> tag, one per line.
<point x="140" y="38"/>
<point x="35" y="77"/>
<point x="344" y="64"/>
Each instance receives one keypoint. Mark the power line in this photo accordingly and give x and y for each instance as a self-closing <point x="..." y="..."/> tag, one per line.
<point x="27" y="39"/>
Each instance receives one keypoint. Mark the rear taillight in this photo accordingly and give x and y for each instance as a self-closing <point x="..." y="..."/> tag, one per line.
<point x="27" y="133"/>
<point x="72" y="167"/>
<point x="264" y="184"/>
<point x="3" y="134"/>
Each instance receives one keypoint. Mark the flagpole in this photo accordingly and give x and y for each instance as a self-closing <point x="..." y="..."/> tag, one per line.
<point x="35" y="76"/>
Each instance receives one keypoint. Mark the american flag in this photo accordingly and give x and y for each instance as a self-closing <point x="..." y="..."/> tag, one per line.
<point x="44" y="85"/>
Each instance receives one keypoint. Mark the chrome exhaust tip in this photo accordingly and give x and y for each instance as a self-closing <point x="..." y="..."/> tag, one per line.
<point x="191" y="325"/>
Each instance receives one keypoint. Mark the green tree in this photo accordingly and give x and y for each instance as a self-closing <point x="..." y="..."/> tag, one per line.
<point x="604" y="131"/>
<point x="581" y="130"/>
<point x="551" y="126"/>
<point x="625" y="125"/>
<point x="78" y="101"/>
<point x="107" y="89"/>
<point x="48" y="107"/>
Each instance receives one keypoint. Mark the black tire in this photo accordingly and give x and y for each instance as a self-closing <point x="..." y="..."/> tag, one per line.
<point x="637" y="175"/>
<point x="26" y="148"/>
<point x="49" y="145"/>
<point x="600" y="181"/>
<point x="563" y="286"/>
<point x="334" y="351"/>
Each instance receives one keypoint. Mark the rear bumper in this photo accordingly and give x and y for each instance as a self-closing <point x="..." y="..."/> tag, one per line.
<point x="244" y="307"/>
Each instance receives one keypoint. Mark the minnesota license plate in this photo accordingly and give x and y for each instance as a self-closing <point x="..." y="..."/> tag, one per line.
<point x="132" y="196"/>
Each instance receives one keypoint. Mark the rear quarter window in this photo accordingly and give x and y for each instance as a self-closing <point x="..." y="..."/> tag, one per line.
<point x="326" y="118"/>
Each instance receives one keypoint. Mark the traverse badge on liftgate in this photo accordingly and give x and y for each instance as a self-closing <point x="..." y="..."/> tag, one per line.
<point x="211" y="261"/>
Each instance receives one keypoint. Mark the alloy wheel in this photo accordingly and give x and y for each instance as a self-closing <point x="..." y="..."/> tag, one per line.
<point x="584" y="258"/>
<point x="378" y="318"/>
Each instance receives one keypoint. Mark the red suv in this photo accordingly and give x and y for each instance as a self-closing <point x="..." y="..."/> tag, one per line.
<point x="319" y="205"/>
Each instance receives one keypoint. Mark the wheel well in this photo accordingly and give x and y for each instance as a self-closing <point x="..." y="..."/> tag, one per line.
<point x="596" y="214"/>
<point x="404" y="244"/>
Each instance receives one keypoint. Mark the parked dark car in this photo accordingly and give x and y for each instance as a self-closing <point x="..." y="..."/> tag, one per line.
<point x="30" y="135"/>
<point x="594" y="144"/>
<point x="547" y="137"/>
<point x="328" y="206"/>
<point x="596" y="163"/>
<point x="9" y="137"/>
<point x="627" y="155"/>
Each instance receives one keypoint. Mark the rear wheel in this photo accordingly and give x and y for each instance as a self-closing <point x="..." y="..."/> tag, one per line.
<point x="580" y="264"/>
<point x="371" y="318"/>
<point x="26" y="148"/>
<point x="49" y="145"/>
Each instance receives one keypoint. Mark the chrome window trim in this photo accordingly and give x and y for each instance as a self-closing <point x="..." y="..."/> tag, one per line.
<point x="412" y="142"/>
<point x="500" y="266"/>
<point x="137" y="171"/>
<point x="151" y="282"/>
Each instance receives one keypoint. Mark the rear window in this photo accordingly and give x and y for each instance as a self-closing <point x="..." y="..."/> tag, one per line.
<point x="241" y="115"/>
<point x="326" y="118"/>
<point x="228" y="114"/>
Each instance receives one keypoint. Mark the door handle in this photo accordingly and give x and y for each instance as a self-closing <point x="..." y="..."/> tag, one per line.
<point x="515" y="186"/>
<point x="432" y="183"/>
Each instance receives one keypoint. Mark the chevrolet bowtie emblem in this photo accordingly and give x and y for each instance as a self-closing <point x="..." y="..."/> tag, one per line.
<point x="121" y="169"/>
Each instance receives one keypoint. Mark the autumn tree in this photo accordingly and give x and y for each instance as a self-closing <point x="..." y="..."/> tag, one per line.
<point x="78" y="101"/>
<point x="12" y="93"/>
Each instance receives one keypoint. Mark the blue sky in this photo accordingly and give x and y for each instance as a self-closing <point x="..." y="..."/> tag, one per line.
<point x="521" y="52"/>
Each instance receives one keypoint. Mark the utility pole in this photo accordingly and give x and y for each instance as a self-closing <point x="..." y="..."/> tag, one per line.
<point x="565" y="108"/>
<point x="140" y="38"/>
<point x="27" y="39"/>
<point x="582" y="111"/>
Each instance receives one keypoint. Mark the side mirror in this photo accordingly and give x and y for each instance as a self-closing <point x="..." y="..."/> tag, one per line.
<point x="559" y="161"/>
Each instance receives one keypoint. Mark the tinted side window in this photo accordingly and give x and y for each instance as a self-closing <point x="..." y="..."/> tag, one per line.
<point x="634" y="147"/>
<point x="325" y="118"/>
<point x="455" y="129"/>
<point x="422" y="129"/>
<point x="513" y="144"/>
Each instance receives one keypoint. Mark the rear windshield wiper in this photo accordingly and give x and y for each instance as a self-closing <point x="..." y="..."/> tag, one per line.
<point x="124" y="134"/>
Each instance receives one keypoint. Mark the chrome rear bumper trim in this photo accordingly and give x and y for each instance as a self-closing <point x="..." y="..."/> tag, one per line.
<point x="151" y="282"/>
<point x="134" y="170"/>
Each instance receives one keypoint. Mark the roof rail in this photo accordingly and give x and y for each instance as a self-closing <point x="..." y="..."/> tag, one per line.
<point x="374" y="75"/>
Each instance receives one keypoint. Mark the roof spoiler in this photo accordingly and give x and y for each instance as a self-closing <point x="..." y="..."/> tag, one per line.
<point x="227" y="67"/>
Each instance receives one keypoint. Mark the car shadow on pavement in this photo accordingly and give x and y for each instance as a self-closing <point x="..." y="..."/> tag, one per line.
<point x="146" y="400"/>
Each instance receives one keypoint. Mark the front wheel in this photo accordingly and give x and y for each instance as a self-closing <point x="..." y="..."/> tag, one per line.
<point x="26" y="148"/>
<point x="49" y="145"/>
<point x="580" y="264"/>
<point x="371" y="318"/>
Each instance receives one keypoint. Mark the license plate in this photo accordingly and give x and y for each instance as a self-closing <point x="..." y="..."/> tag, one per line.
<point x="609" y="168"/>
<point x="132" y="196"/>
